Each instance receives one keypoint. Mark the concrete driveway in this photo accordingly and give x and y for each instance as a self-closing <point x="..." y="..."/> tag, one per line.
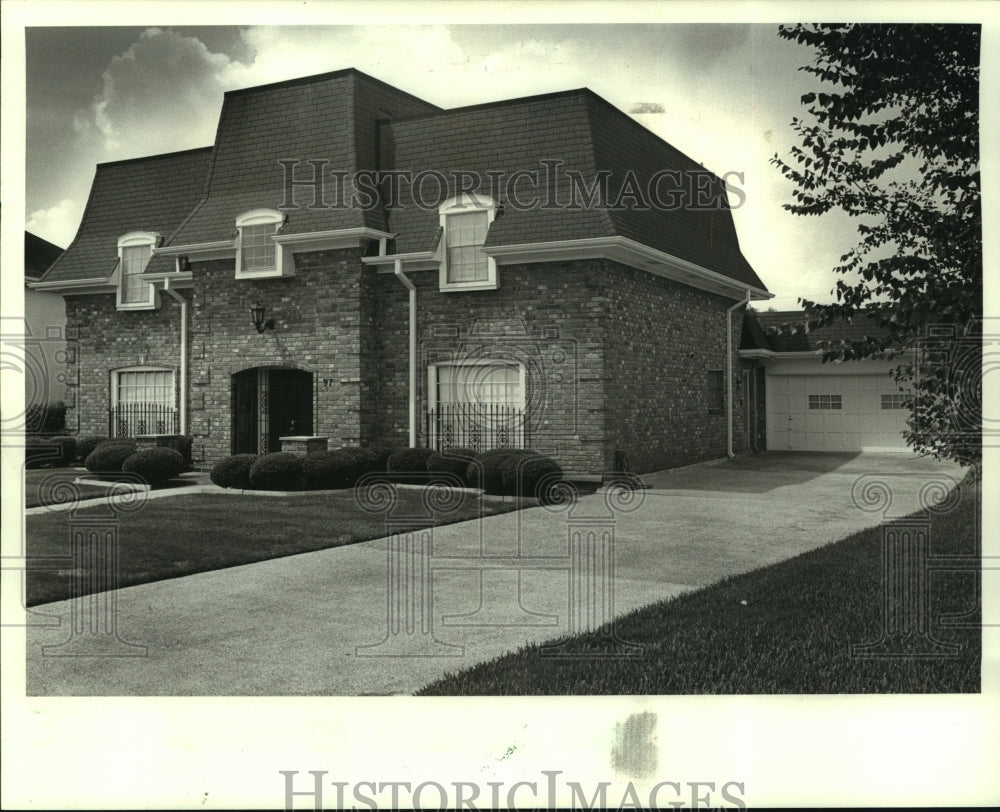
<point x="386" y="617"/>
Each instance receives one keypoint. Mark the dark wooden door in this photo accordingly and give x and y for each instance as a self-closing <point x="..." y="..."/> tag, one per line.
<point x="291" y="404"/>
<point x="244" y="412"/>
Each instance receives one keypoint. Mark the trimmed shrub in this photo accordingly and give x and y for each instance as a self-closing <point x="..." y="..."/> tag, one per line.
<point x="84" y="445"/>
<point x="379" y="455"/>
<point x="365" y="461"/>
<point x="484" y="472"/>
<point x="67" y="448"/>
<point x="109" y="456"/>
<point x="280" y="471"/>
<point x="233" y="472"/>
<point x="155" y="464"/>
<point x="328" y="470"/>
<point x="180" y="443"/>
<point x="39" y="453"/>
<point x="454" y="461"/>
<point x="487" y="470"/>
<point x="45" y="418"/>
<point x="410" y="463"/>
<point x="509" y="465"/>
<point x="538" y="474"/>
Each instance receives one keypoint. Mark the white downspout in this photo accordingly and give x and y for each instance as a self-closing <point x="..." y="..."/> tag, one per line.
<point x="729" y="374"/>
<point x="184" y="310"/>
<point x="398" y="270"/>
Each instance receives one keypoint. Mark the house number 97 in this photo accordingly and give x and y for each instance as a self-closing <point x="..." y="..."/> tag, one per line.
<point x="328" y="382"/>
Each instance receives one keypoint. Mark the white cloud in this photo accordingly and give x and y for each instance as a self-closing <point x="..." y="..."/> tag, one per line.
<point x="160" y="95"/>
<point x="58" y="223"/>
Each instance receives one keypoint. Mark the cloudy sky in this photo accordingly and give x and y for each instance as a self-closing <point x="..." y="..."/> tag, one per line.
<point x="727" y="93"/>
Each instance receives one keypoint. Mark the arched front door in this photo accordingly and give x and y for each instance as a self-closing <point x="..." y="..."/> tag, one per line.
<point x="269" y="403"/>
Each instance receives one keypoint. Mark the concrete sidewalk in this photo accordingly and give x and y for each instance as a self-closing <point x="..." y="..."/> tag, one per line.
<point x="312" y="624"/>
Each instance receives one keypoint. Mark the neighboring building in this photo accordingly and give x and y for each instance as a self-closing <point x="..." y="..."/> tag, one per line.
<point x="436" y="308"/>
<point x="45" y="327"/>
<point x="811" y="406"/>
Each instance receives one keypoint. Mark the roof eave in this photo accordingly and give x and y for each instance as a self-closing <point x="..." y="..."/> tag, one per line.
<point x="67" y="286"/>
<point x="629" y="252"/>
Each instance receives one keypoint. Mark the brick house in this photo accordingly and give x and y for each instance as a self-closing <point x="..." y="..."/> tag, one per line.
<point x="351" y="262"/>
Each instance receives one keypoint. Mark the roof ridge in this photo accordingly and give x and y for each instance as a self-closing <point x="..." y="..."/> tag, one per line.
<point x="442" y="112"/>
<point x="157" y="157"/>
<point x="324" y="77"/>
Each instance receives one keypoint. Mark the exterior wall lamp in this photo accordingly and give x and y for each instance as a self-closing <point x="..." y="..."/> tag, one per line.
<point x="257" y="317"/>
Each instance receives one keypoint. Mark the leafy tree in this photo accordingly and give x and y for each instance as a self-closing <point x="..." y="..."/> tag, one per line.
<point x="891" y="137"/>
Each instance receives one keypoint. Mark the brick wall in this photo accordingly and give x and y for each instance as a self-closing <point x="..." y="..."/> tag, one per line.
<point x="319" y="324"/>
<point x="544" y="316"/>
<point x="662" y="339"/>
<point x="106" y="339"/>
<point x="617" y="359"/>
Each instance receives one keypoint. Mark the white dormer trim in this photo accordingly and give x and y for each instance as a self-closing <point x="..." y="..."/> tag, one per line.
<point x="135" y="239"/>
<point x="463" y="204"/>
<point x="283" y="263"/>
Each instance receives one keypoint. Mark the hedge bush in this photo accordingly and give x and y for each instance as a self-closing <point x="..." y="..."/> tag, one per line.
<point x="328" y="470"/>
<point x="280" y="471"/>
<point x="180" y="443"/>
<point x="509" y="465"/>
<point x="155" y="464"/>
<point x="67" y="448"/>
<point x="45" y="418"/>
<point x="538" y="475"/>
<point x="379" y="456"/>
<point x="84" y="445"/>
<point x="410" y="463"/>
<point x="39" y="453"/>
<point x="109" y="456"/>
<point x="497" y="472"/>
<point x="486" y="471"/>
<point x="454" y="461"/>
<point x="367" y="459"/>
<point x="233" y="472"/>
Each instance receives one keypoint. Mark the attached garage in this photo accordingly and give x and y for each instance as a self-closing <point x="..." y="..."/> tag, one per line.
<point x="841" y="412"/>
<point x="812" y="406"/>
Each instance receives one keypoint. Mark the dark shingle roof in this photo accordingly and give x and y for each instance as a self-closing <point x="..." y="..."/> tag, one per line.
<point x="327" y="118"/>
<point x="501" y="138"/>
<point x="699" y="228"/>
<point x="353" y="122"/>
<point x="587" y="135"/>
<point x="142" y="194"/>
<point x="801" y="341"/>
<point x="39" y="254"/>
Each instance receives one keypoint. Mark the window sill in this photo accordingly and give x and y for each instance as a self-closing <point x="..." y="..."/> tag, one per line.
<point x="458" y="287"/>
<point x="137" y="306"/>
<point x="272" y="273"/>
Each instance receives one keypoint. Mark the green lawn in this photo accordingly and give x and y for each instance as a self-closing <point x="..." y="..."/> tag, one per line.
<point x="786" y="628"/>
<point x="171" y="537"/>
<point x="49" y="486"/>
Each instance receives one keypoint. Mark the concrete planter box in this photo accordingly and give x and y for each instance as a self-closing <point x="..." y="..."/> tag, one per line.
<point x="303" y="445"/>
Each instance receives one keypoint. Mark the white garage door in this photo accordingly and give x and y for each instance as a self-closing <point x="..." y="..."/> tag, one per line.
<point x="834" y="413"/>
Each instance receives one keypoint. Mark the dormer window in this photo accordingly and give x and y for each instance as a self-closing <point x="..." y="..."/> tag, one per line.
<point x="134" y="252"/>
<point x="257" y="254"/>
<point x="465" y="221"/>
